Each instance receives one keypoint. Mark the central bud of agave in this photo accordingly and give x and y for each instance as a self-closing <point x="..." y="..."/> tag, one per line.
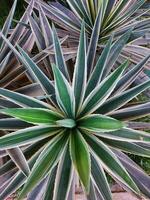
<point x="67" y="123"/>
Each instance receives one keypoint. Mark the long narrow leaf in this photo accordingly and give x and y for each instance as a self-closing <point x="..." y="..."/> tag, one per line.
<point x="133" y="112"/>
<point x="102" y="91"/>
<point x="80" y="71"/>
<point x="110" y="161"/>
<point x="96" y="75"/>
<point x="119" y="100"/>
<point x="10" y="124"/>
<point x="63" y="177"/>
<point x="48" y="159"/>
<point x="99" y="123"/>
<point x="22" y="100"/>
<point x="26" y="136"/>
<point x="18" y="158"/>
<point x="33" y="115"/>
<point x="45" y="83"/>
<point x="93" y="42"/>
<point x="64" y="94"/>
<point x="80" y="157"/>
<point x="60" y="62"/>
<point x="100" y="179"/>
<point x="8" y="23"/>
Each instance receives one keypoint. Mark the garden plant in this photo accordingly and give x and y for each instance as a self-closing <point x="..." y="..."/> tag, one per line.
<point x="71" y="121"/>
<point x="117" y="17"/>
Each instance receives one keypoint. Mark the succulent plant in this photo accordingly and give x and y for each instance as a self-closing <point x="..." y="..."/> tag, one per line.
<point x="114" y="17"/>
<point x="79" y="124"/>
<point x="10" y="70"/>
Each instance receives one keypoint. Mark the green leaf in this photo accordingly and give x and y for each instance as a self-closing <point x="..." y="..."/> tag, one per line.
<point x="99" y="123"/>
<point x="33" y="115"/>
<point x="45" y="163"/>
<point x="130" y="76"/>
<point x="96" y="75"/>
<point x="26" y="136"/>
<point x="64" y="177"/>
<point x="22" y="100"/>
<point x="91" y="7"/>
<point x="110" y="161"/>
<point x="126" y="16"/>
<point x="80" y="157"/>
<point x="80" y="71"/>
<point x="126" y="134"/>
<point x="128" y="147"/>
<point x="60" y="62"/>
<point x="99" y="95"/>
<point x="80" y="10"/>
<point x="132" y="112"/>
<point x="64" y="93"/>
<point x="45" y="83"/>
<point x="121" y="99"/>
<point x="94" y="42"/>
<point x="116" y="12"/>
<point x="67" y="123"/>
<point x="115" y="51"/>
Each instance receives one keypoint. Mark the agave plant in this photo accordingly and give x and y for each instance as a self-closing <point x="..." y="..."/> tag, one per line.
<point x="112" y="16"/>
<point x="80" y="124"/>
<point x="10" y="69"/>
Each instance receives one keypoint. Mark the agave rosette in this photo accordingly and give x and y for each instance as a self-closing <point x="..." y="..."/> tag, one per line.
<point x="114" y="16"/>
<point x="81" y="124"/>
